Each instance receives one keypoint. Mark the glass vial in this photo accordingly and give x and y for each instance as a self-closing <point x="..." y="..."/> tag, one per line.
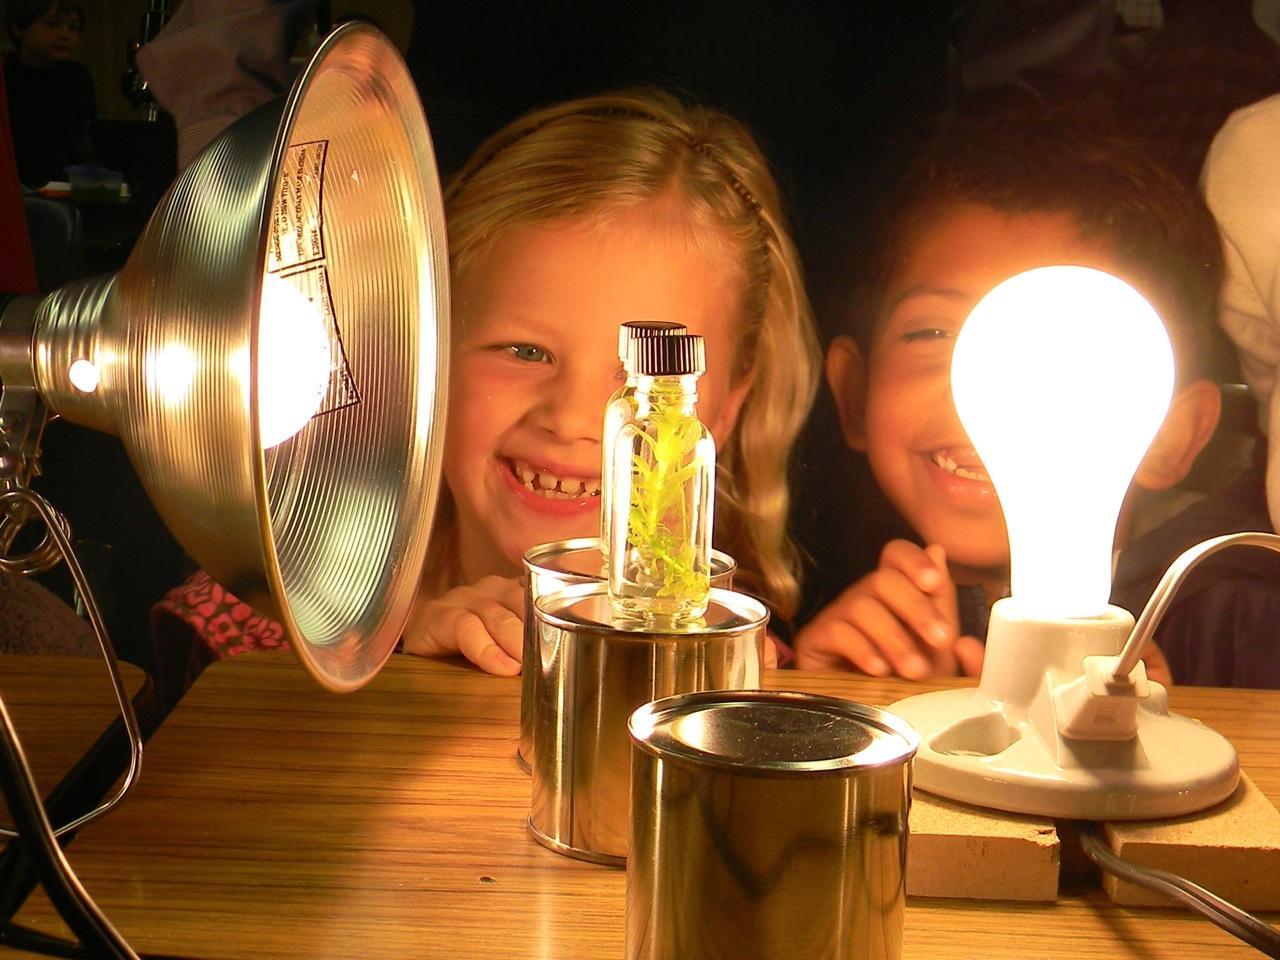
<point x="622" y="409"/>
<point x="663" y="478"/>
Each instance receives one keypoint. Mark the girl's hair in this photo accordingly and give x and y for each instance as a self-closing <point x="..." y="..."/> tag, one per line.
<point x="594" y="155"/>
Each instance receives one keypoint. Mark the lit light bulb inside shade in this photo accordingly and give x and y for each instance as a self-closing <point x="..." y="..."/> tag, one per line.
<point x="1061" y="376"/>
<point x="294" y="361"/>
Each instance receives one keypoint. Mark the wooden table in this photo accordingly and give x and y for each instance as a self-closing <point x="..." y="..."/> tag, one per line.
<point x="277" y="820"/>
<point x="66" y="716"/>
<point x="60" y="706"/>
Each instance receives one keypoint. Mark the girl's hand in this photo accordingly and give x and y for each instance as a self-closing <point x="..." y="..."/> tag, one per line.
<point x="482" y="621"/>
<point x="902" y="618"/>
<point x="771" y="644"/>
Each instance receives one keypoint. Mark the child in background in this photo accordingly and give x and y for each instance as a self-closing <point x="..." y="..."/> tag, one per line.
<point x="979" y="205"/>
<point x="568" y="222"/>
<point x="51" y="97"/>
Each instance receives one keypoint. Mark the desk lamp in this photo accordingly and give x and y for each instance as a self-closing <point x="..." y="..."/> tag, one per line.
<point x="273" y="357"/>
<point x="1061" y="376"/>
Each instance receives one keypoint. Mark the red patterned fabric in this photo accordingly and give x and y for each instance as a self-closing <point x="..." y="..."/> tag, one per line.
<point x="227" y="624"/>
<point x="201" y="621"/>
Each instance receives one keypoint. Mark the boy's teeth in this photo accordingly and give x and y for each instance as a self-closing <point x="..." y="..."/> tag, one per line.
<point x="553" y="487"/>
<point x="948" y="463"/>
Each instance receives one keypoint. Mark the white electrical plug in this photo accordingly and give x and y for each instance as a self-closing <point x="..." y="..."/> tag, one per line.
<point x="1098" y="705"/>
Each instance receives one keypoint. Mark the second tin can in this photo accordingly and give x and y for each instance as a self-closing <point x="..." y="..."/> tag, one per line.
<point x="549" y="568"/>
<point x="767" y="826"/>
<point x="594" y="670"/>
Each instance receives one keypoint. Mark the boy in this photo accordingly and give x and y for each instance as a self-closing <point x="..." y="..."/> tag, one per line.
<point x="978" y="206"/>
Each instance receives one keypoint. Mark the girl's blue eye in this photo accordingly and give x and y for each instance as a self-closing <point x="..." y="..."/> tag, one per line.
<point x="528" y="352"/>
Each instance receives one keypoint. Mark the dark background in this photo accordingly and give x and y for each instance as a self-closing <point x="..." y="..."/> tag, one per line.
<point x="831" y="89"/>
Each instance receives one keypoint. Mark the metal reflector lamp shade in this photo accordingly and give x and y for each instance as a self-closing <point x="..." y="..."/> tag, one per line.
<point x="273" y="355"/>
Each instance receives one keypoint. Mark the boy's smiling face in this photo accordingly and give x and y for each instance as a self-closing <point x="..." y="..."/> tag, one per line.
<point x="899" y="409"/>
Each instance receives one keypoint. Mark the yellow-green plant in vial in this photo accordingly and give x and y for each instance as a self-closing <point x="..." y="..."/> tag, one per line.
<point x="663" y="467"/>
<point x="621" y="410"/>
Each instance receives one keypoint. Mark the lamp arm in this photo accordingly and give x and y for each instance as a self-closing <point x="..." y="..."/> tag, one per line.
<point x="95" y="933"/>
<point x="73" y="903"/>
<point x="1162" y="598"/>
<point x="32" y="503"/>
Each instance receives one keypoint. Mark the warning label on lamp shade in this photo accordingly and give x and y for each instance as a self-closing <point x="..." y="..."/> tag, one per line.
<point x="296" y="254"/>
<point x="297" y="229"/>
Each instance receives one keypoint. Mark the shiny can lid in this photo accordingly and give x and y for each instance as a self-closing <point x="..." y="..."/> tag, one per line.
<point x="582" y="559"/>
<point x="585" y="608"/>
<point x="779" y="732"/>
<point x="579" y="558"/>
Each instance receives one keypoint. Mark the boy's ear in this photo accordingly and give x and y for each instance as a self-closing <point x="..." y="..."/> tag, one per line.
<point x="1190" y="423"/>
<point x="847" y="377"/>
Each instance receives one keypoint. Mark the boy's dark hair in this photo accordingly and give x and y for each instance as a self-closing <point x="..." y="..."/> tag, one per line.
<point x="23" y="13"/>
<point x="1157" y="229"/>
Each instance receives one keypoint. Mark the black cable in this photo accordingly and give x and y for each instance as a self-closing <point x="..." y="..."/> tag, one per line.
<point x="69" y="897"/>
<point x="1239" y="923"/>
<point x="18" y="937"/>
<point x="33" y="941"/>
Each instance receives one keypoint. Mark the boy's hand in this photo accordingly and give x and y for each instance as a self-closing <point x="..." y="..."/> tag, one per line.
<point x="482" y="621"/>
<point x="901" y="618"/>
<point x="1158" y="668"/>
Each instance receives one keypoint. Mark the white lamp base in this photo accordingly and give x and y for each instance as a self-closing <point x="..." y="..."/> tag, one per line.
<point x="1125" y="757"/>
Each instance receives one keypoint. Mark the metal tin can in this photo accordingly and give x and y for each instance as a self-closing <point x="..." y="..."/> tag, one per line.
<point x="549" y="568"/>
<point x="594" y="670"/>
<point x="767" y="826"/>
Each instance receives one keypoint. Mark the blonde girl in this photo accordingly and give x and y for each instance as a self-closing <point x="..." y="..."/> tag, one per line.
<point x="573" y="219"/>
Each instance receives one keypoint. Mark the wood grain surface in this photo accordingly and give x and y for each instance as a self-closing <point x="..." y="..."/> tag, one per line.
<point x="60" y="706"/>
<point x="274" y="819"/>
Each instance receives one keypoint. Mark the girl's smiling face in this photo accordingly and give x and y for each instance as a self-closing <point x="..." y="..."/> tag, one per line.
<point x="535" y="360"/>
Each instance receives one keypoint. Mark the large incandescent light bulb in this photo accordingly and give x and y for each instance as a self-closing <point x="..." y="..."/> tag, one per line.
<point x="294" y="361"/>
<point x="1061" y="377"/>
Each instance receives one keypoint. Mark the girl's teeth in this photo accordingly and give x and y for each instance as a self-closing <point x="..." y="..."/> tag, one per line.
<point x="553" y="487"/>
